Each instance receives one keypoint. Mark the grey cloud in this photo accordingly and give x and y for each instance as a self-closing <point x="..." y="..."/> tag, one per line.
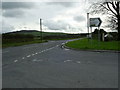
<point x="64" y="4"/>
<point x="16" y="5"/>
<point x="79" y="18"/>
<point x="13" y="13"/>
<point x="52" y="25"/>
<point x="7" y="27"/>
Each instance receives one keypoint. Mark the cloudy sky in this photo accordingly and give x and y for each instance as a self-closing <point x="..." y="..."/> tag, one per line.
<point x="57" y="16"/>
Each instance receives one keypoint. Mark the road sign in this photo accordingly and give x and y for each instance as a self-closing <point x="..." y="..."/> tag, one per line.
<point x="95" y="22"/>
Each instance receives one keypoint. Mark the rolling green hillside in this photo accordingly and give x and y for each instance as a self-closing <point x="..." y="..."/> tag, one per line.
<point x="32" y="36"/>
<point x="35" y="33"/>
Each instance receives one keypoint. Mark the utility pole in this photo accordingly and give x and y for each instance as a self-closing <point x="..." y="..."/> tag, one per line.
<point x="41" y="28"/>
<point x="88" y="24"/>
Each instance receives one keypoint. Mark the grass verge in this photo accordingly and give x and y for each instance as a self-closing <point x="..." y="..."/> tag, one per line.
<point x="62" y="39"/>
<point x="21" y="43"/>
<point x="84" y="44"/>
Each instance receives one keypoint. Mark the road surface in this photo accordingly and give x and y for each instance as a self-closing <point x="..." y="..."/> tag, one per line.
<point x="47" y="65"/>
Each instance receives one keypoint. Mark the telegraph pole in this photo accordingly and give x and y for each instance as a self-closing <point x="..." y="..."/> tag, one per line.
<point x="41" y="28"/>
<point x="88" y="23"/>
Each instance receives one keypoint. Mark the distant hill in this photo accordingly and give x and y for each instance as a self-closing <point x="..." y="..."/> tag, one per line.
<point x="35" y="33"/>
<point x="45" y="35"/>
<point x="21" y="32"/>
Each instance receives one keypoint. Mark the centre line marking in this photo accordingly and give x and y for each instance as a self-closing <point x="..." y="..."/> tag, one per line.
<point x="15" y="60"/>
<point x="28" y="55"/>
<point x="23" y="57"/>
<point x="78" y="62"/>
<point x="33" y="54"/>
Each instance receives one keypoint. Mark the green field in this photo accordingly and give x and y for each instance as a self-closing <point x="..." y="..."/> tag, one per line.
<point x="4" y="45"/>
<point x="84" y="44"/>
<point x="25" y="37"/>
<point x="37" y="33"/>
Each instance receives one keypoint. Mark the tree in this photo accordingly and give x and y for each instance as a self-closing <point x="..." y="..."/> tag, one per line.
<point x="111" y="8"/>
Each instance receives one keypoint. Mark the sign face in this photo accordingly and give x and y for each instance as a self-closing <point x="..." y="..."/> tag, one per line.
<point x="95" y="22"/>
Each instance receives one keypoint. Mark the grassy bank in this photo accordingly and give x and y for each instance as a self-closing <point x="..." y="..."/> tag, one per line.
<point x="94" y="45"/>
<point x="4" y="45"/>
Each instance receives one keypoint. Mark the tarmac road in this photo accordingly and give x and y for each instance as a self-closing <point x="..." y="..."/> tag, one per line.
<point x="47" y="65"/>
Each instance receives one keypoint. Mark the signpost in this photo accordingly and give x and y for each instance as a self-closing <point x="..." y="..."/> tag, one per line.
<point x="94" y="22"/>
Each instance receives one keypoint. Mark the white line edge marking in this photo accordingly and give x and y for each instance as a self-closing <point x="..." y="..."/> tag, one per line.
<point x="66" y="49"/>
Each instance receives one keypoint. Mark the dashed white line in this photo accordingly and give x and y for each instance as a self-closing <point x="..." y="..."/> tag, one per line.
<point x="35" y="60"/>
<point x="78" y="62"/>
<point x="23" y="57"/>
<point x="67" y="60"/>
<point x="15" y="60"/>
<point x="41" y="51"/>
<point x="57" y="45"/>
<point x="33" y="54"/>
<point x="28" y="55"/>
<point x="36" y="53"/>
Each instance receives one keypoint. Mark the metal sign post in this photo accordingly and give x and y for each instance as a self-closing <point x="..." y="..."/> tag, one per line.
<point x="98" y="36"/>
<point x="91" y="35"/>
<point x="96" y="22"/>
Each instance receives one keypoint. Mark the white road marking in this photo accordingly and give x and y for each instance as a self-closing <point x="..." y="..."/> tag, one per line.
<point x="40" y="52"/>
<point x="62" y="46"/>
<point x="66" y="49"/>
<point x="28" y="55"/>
<point x="57" y="45"/>
<point x="35" y="60"/>
<point x="36" y="53"/>
<point x="67" y="60"/>
<point x="47" y="49"/>
<point x="44" y="50"/>
<point x="23" y="57"/>
<point x="78" y="62"/>
<point x="15" y="60"/>
<point x="33" y="54"/>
